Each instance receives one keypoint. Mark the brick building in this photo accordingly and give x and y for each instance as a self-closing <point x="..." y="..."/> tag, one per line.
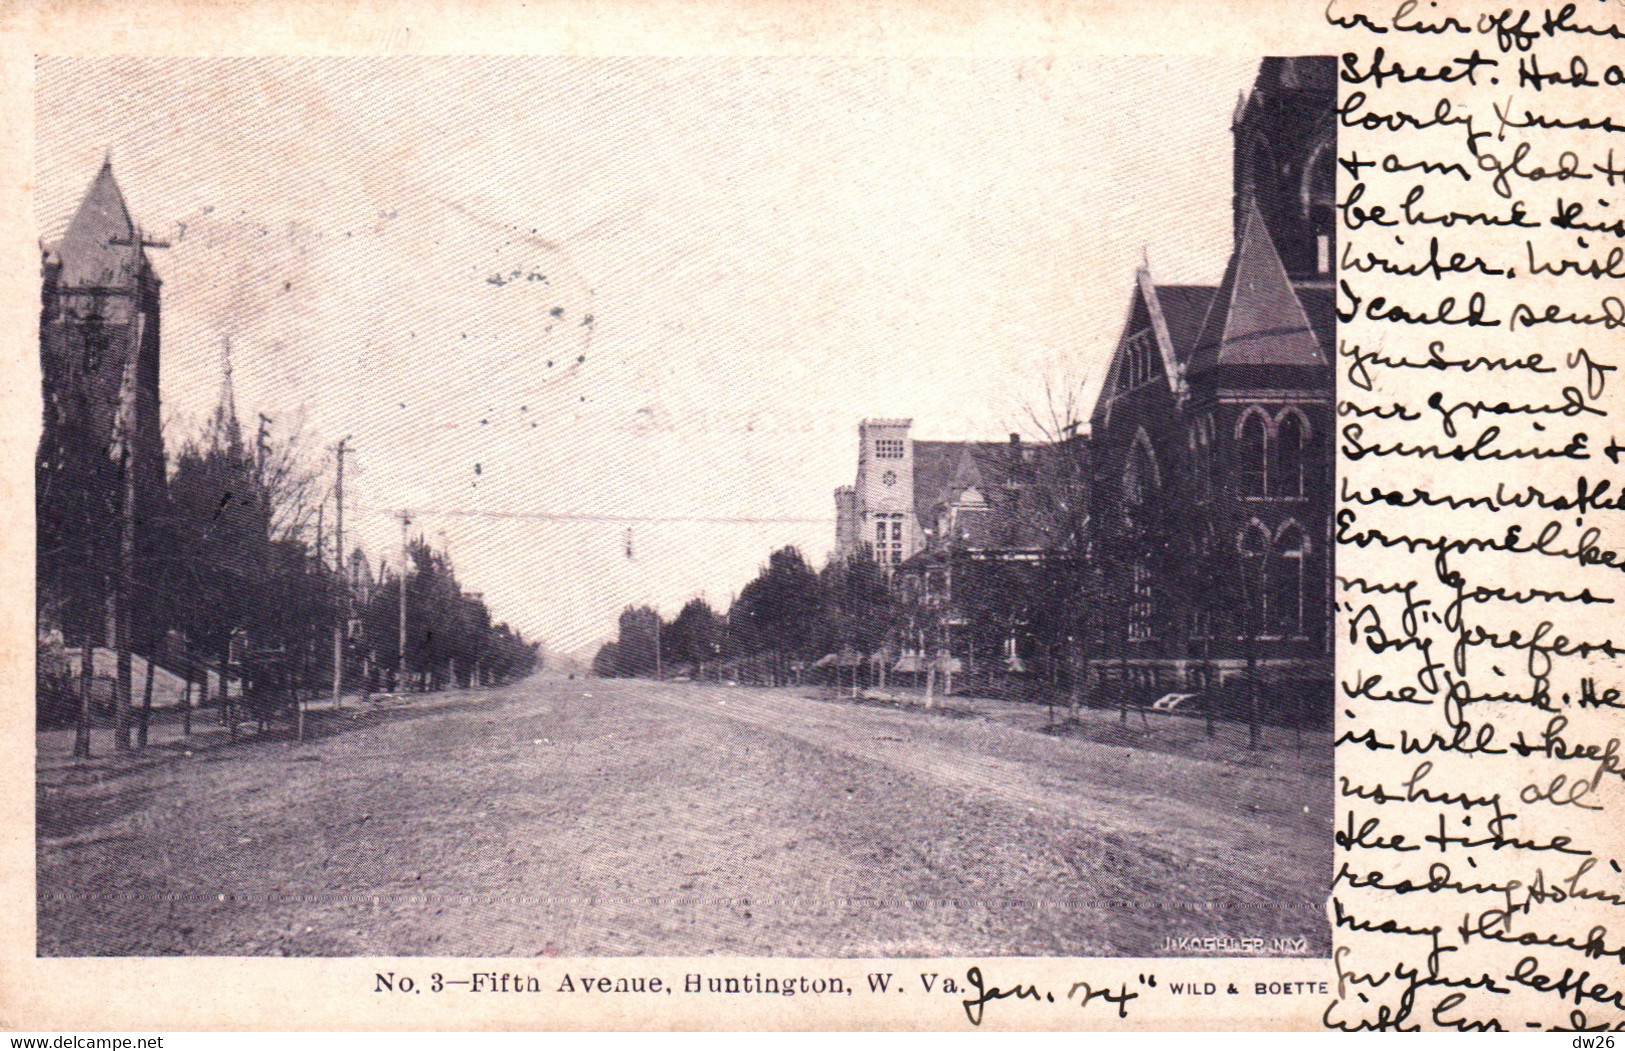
<point x="1212" y="439"/>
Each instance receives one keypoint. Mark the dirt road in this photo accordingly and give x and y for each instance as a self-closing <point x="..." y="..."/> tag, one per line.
<point x="593" y="817"/>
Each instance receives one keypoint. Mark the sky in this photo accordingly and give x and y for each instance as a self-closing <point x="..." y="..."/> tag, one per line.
<point x="657" y="295"/>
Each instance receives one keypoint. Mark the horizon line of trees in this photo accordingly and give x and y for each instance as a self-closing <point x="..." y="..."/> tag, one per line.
<point x="787" y="615"/>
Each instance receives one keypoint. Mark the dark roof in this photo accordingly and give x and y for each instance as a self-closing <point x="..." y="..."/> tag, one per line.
<point x="1320" y="303"/>
<point x="1001" y="472"/>
<point x="1256" y="318"/>
<point x="88" y="252"/>
<point x="1183" y="308"/>
<point x="944" y="469"/>
<point x="933" y="466"/>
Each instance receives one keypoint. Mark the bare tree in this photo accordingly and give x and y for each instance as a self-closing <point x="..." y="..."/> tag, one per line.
<point x="1060" y="506"/>
<point x="293" y="477"/>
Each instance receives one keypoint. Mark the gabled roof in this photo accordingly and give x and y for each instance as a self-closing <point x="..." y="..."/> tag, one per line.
<point x="934" y="464"/>
<point x="945" y="471"/>
<point x="1183" y="308"/>
<point x="966" y="475"/>
<point x="1174" y="313"/>
<point x="1320" y="303"/>
<point x="1256" y="318"/>
<point x="99" y="249"/>
<point x="992" y="489"/>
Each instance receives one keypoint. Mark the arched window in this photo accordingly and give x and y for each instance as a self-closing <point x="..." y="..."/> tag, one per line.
<point x="1253" y="544"/>
<point x="1252" y="453"/>
<point x="1141" y="477"/>
<point x="1291" y="445"/>
<point x="1201" y="443"/>
<point x="1286" y="579"/>
<point x="1317" y="198"/>
<point x="1133" y="479"/>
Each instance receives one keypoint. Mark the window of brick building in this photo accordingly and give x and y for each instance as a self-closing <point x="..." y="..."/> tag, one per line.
<point x="1291" y="444"/>
<point x="889" y="539"/>
<point x="1140" y="609"/>
<point x="1253" y="453"/>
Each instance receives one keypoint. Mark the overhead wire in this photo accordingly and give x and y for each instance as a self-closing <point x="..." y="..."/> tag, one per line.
<point x="570" y="516"/>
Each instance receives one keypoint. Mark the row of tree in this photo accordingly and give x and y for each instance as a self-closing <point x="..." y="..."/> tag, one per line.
<point x="233" y="573"/>
<point x="450" y="638"/>
<point x="788" y="614"/>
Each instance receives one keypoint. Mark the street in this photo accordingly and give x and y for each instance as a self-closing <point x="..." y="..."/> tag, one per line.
<point x="594" y="817"/>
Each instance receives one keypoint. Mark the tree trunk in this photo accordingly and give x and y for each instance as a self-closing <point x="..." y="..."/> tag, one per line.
<point x="146" y="707"/>
<point x="1122" y="673"/>
<point x="226" y="716"/>
<point x="81" y="731"/>
<point x="121" y="689"/>
<point x="222" y="682"/>
<point x="1074" y="674"/>
<point x="1208" y="687"/>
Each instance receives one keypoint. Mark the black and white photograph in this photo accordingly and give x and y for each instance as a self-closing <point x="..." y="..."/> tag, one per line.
<point x="651" y="507"/>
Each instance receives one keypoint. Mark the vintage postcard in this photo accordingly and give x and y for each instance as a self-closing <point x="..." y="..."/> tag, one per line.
<point x="1084" y="516"/>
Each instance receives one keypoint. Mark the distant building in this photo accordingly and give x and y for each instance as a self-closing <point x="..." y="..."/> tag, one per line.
<point x="968" y="532"/>
<point x="877" y="512"/>
<point x="1212" y="433"/>
<point x="99" y="365"/>
<point x="917" y="496"/>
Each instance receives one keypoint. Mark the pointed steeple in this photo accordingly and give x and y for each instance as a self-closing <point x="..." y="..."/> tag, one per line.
<point x="1256" y="318"/>
<point x="224" y="431"/>
<point x="100" y="249"/>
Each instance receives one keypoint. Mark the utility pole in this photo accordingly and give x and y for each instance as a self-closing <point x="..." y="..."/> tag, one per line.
<point x="658" y="676"/>
<point x="124" y="434"/>
<point x="342" y="616"/>
<point x="123" y="597"/>
<point x="400" y="686"/>
<point x="126" y="430"/>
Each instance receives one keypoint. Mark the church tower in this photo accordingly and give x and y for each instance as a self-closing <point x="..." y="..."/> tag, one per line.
<point x="885" y="490"/>
<point x="1285" y="159"/>
<point x="99" y="370"/>
<point x="99" y="332"/>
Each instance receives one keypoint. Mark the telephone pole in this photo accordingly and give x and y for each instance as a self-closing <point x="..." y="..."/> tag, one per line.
<point x="400" y="674"/>
<point x="342" y="616"/>
<point x="127" y="432"/>
<point x="124" y="591"/>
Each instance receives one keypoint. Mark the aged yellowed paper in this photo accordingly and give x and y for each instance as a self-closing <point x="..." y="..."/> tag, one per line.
<point x="431" y="451"/>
